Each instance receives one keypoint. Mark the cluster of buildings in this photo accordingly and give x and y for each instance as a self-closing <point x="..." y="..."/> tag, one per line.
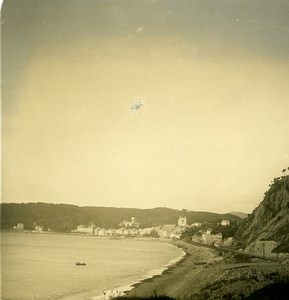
<point x="123" y="231"/>
<point x="131" y="228"/>
<point x="19" y="226"/>
<point x="168" y="231"/>
<point x="206" y="237"/>
<point x="209" y="238"/>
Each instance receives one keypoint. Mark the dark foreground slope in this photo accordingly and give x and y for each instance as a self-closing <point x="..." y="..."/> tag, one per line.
<point x="208" y="273"/>
<point x="275" y="291"/>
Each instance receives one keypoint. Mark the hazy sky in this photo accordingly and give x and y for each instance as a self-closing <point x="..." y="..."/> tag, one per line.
<point x="213" y="77"/>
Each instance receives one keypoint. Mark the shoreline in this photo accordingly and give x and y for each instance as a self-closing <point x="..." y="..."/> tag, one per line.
<point x="206" y="273"/>
<point x="193" y="260"/>
<point x="170" y="281"/>
<point x="168" y="269"/>
<point x="155" y="273"/>
<point x="121" y="237"/>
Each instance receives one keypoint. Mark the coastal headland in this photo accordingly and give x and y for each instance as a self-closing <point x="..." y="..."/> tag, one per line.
<point x="211" y="273"/>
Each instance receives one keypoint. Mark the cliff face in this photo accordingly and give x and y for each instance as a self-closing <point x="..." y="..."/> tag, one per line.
<point x="270" y="220"/>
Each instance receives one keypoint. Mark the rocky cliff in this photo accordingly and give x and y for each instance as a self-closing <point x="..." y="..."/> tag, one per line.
<point x="270" y="220"/>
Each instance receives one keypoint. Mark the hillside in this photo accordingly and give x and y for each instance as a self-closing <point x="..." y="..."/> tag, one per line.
<point x="239" y="214"/>
<point x="64" y="217"/>
<point x="270" y="220"/>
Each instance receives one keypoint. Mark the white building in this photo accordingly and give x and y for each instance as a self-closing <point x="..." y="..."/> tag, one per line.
<point x="130" y="224"/>
<point x="212" y="239"/>
<point x="146" y="231"/>
<point x="38" y="228"/>
<point x="206" y="237"/>
<point x="101" y="232"/>
<point x="225" y="223"/>
<point x="84" y="229"/>
<point x="19" y="226"/>
<point x="120" y="231"/>
<point x="111" y="232"/>
<point x="182" y="221"/>
<point x="196" y="224"/>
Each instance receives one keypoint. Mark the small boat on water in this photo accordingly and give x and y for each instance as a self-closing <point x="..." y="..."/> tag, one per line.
<point x="80" y="264"/>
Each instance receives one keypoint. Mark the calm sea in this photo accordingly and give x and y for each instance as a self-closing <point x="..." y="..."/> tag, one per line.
<point x="42" y="266"/>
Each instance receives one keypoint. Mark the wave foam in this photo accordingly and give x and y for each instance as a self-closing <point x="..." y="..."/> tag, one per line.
<point x="121" y="291"/>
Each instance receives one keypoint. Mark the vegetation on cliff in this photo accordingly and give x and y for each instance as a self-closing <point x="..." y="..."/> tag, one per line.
<point x="270" y="220"/>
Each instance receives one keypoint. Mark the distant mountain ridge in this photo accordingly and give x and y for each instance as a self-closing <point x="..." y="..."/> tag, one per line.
<point x="239" y="214"/>
<point x="65" y="217"/>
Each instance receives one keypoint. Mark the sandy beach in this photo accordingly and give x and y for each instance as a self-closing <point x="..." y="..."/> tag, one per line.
<point x="207" y="273"/>
<point x="177" y="277"/>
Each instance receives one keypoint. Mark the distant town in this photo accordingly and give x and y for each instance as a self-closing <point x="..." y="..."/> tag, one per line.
<point x="263" y="233"/>
<point x="203" y="231"/>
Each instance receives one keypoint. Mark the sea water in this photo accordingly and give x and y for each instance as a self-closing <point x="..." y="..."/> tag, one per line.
<point x="43" y="266"/>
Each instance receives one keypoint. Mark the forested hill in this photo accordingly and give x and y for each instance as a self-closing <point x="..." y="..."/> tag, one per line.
<point x="64" y="217"/>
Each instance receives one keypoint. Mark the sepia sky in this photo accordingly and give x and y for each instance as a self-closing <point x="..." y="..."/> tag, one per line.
<point x="213" y="77"/>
